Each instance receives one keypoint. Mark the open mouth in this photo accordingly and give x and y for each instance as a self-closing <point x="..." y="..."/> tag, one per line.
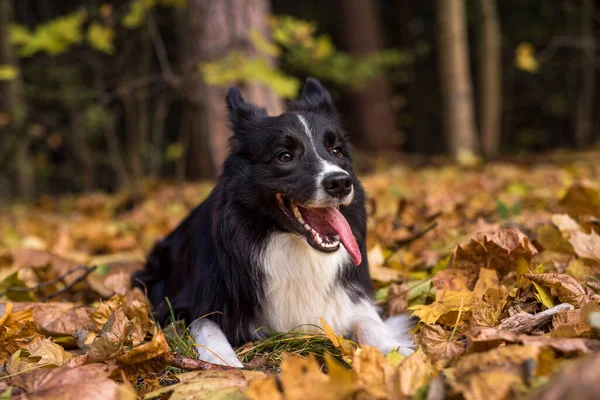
<point x="324" y="228"/>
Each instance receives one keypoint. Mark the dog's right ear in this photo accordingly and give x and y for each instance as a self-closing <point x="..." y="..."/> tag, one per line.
<point x="241" y="112"/>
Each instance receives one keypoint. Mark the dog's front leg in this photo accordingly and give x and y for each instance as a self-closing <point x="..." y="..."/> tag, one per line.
<point x="386" y="336"/>
<point x="212" y="345"/>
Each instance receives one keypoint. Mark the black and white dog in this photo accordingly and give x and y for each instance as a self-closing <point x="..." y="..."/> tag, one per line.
<point x="279" y="242"/>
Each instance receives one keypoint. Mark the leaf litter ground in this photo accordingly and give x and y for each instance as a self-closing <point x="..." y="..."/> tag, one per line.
<point x="500" y="262"/>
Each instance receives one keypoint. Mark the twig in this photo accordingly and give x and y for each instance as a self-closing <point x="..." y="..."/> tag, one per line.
<point x="401" y="243"/>
<point x="58" y="279"/>
<point x="524" y="323"/>
<point x="88" y="270"/>
<point x="192" y="364"/>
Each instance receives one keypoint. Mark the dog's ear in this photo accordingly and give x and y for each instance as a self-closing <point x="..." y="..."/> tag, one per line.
<point x="314" y="98"/>
<point x="240" y="111"/>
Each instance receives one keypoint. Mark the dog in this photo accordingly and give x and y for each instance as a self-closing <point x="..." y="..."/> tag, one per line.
<point x="279" y="242"/>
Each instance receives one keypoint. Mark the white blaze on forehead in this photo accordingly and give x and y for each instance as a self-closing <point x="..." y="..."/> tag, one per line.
<point x="326" y="168"/>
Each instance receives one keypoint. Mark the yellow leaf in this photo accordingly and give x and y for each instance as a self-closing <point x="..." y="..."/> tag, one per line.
<point x="101" y="38"/>
<point x="8" y="72"/>
<point x="543" y="295"/>
<point x="525" y="58"/>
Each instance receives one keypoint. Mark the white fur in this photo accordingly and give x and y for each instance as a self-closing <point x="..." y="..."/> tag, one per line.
<point x="212" y="345"/>
<point x="301" y="287"/>
<point x="321" y="198"/>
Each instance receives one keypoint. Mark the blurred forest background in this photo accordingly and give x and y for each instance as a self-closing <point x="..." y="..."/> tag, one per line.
<point x="101" y="94"/>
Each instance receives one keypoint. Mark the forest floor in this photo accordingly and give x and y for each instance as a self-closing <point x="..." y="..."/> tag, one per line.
<point x="501" y="263"/>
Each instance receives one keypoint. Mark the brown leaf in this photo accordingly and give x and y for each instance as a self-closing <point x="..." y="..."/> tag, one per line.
<point x="113" y="337"/>
<point x="574" y="323"/>
<point x="156" y="347"/>
<point x="436" y="343"/>
<point x="562" y="345"/>
<point x="577" y="381"/>
<point x="488" y="310"/>
<point x="229" y="384"/>
<point x="86" y="382"/>
<point x="492" y="374"/>
<point x="568" y="289"/>
<point x="38" y="353"/>
<point x="586" y="246"/>
<point x="497" y="250"/>
<point x="484" y="338"/>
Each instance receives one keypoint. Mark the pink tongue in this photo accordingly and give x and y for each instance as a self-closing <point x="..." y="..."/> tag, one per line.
<point x="326" y="220"/>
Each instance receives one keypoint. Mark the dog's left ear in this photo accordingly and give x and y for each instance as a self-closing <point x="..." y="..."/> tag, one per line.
<point x="240" y="111"/>
<point x="314" y="98"/>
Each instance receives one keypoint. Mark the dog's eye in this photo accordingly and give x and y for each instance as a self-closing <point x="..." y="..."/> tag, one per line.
<point x="337" y="152"/>
<point x="285" y="157"/>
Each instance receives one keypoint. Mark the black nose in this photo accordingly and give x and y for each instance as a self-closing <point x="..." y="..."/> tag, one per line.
<point x="337" y="184"/>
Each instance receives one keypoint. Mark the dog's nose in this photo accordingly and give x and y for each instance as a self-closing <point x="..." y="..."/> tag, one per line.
<point x="337" y="184"/>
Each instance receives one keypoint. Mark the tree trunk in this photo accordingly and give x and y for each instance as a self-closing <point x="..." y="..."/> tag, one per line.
<point x="490" y="77"/>
<point x="455" y="74"/>
<point x="585" y="106"/>
<point x="372" y="122"/>
<point x="211" y="29"/>
<point x="15" y="107"/>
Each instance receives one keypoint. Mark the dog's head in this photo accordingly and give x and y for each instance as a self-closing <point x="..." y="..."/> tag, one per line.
<point x="295" y="168"/>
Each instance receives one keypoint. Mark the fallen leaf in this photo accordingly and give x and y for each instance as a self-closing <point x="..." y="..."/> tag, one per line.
<point x="586" y="245"/>
<point x="302" y="379"/>
<point x="414" y="372"/>
<point x="436" y="343"/>
<point x="567" y="288"/>
<point x="37" y="354"/>
<point x="375" y="374"/>
<point x="492" y="374"/>
<point x="581" y="199"/>
<point x="497" y="250"/>
<point x="230" y="384"/>
<point x="86" y="382"/>
<point x="577" y="381"/>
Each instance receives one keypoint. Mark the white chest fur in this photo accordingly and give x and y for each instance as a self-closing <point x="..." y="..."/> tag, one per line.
<point x="300" y="287"/>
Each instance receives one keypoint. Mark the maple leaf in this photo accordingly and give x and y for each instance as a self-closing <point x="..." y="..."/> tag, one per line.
<point x="496" y="250"/>
<point x="346" y="346"/>
<point x="39" y="353"/>
<point x="302" y="379"/>
<point x="436" y="343"/>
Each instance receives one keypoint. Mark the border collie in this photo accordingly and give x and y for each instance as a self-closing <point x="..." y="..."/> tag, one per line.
<point x="280" y="241"/>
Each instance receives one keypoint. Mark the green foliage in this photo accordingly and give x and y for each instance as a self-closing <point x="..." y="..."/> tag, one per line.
<point x="8" y="72"/>
<point x="53" y="38"/>
<point x="101" y="38"/>
<point x="297" y="45"/>
<point x="140" y="9"/>
<point x="237" y="67"/>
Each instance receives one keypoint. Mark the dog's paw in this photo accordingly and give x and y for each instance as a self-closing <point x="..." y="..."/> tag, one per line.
<point x="386" y="337"/>
<point x="211" y="344"/>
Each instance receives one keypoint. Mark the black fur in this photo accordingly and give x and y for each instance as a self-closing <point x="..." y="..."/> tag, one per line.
<point x="211" y="262"/>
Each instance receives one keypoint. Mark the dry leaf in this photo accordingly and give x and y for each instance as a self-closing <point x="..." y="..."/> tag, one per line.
<point x="86" y="382"/>
<point x="302" y="379"/>
<point x="375" y="374"/>
<point x="581" y="199"/>
<point x="230" y="384"/>
<point x="567" y="288"/>
<point x="577" y="381"/>
<point x="586" y="246"/>
<point x="37" y="354"/>
<point x="497" y="250"/>
<point x="414" y="372"/>
<point x="436" y="343"/>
